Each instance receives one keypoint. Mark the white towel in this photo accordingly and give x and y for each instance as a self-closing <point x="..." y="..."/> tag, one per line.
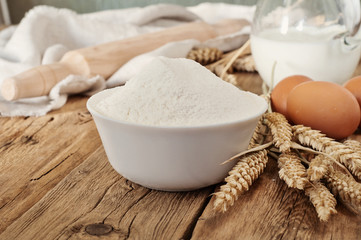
<point x="46" y="33"/>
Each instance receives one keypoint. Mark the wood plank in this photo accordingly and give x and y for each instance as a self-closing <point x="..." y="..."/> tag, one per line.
<point x="93" y="193"/>
<point x="249" y="82"/>
<point x="271" y="210"/>
<point x="36" y="153"/>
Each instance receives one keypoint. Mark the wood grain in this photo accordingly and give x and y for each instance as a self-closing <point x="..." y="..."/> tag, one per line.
<point x="249" y="82"/>
<point x="93" y="193"/>
<point x="36" y="153"/>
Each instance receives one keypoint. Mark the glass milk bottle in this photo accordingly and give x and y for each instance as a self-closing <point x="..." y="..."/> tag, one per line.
<point x="315" y="38"/>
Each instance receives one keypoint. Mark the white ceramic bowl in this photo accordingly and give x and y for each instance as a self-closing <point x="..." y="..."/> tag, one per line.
<point x="173" y="158"/>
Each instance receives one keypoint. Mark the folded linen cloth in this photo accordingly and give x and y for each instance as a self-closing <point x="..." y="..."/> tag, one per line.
<point x="46" y="33"/>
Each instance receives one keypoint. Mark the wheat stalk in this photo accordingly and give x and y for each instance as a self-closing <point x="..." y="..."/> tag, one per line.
<point x="244" y="50"/>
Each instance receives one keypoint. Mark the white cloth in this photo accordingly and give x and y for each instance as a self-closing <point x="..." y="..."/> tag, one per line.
<point x="46" y="33"/>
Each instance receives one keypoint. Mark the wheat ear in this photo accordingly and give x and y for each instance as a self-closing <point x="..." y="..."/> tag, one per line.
<point x="348" y="190"/>
<point x="218" y="70"/>
<point x="317" y="140"/>
<point x="292" y="171"/>
<point x="257" y="134"/>
<point x="206" y="55"/>
<point x="245" y="63"/>
<point x="318" y="167"/>
<point x="322" y="199"/>
<point x="281" y="130"/>
<point x="354" y="144"/>
<point x="240" y="178"/>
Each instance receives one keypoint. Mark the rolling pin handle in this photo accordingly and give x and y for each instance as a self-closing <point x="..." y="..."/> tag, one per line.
<point x="35" y="82"/>
<point x="9" y="89"/>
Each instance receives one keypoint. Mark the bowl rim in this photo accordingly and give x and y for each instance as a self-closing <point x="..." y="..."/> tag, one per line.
<point x="262" y="110"/>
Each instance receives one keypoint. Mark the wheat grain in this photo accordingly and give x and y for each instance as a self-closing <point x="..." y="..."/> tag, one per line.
<point x="292" y="171"/>
<point x="240" y="178"/>
<point x="342" y="153"/>
<point x="322" y="199"/>
<point x="281" y="130"/>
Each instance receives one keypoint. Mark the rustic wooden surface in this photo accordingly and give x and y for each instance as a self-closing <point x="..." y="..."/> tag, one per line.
<point x="56" y="183"/>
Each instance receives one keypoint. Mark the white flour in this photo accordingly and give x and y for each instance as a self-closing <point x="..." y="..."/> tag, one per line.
<point x="177" y="92"/>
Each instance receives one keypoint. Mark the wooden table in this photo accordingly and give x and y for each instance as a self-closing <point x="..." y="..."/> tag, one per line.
<point x="56" y="183"/>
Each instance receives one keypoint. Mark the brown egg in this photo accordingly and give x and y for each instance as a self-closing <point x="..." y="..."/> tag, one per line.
<point x="354" y="86"/>
<point x="282" y="89"/>
<point x="324" y="106"/>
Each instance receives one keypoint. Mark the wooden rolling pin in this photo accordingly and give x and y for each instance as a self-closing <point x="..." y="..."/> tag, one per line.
<point x="107" y="58"/>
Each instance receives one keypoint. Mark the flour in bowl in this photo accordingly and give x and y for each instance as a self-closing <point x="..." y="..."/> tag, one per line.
<point x="178" y="92"/>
